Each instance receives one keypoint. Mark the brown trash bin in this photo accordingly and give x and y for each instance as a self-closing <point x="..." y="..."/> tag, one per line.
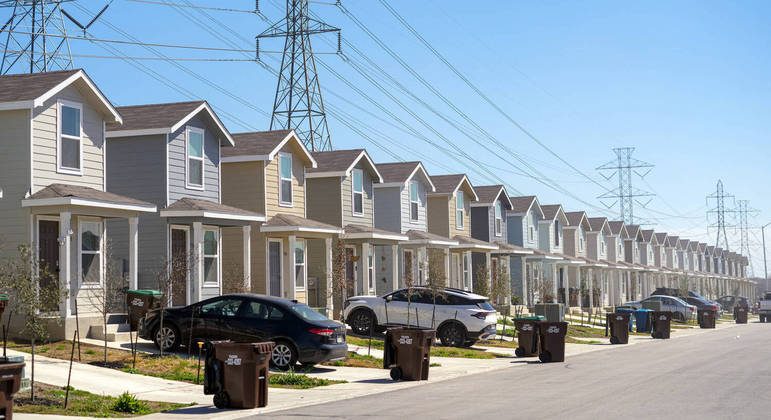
<point x="527" y="337"/>
<point x="407" y="352"/>
<point x="619" y="327"/>
<point x="552" y="341"/>
<point x="661" y="324"/>
<point x="740" y="312"/>
<point x="140" y="302"/>
<point x="10" y="381"/>
<point x="706" y="318"/>
<point x="237" y="373"/>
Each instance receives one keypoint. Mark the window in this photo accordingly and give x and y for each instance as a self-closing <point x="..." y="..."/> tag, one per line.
<point x="602" y="246"/>
<point x="371" y="259"/>
<point x="358" y="191"/>
<point x="195" y="158"/>
<point x="581" y="238"/>
<point x="421" y="266"/>
<point x="557" y="233"/>
<point x="414" y="200"/>
<point x="459" y="208"/>
<point x="90" y="252"/>
<point x="70" y="138"/>
<point x="466" y="278"/>
<point x="221" y="307"/>
<point x="299" y="265"/>
<point x="285" y="179"/>
<point x="498" y="218"/>
<point x="532" y="233"/>
<point x="211" y="272"/>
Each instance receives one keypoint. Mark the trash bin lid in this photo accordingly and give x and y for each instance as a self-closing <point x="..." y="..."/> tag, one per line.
<point x="145" y="292"/>
<point x="3" y="296"/>
<point x="531" y="318"/>
<point x="624" y="310"/>
<point x="644" y="310"/>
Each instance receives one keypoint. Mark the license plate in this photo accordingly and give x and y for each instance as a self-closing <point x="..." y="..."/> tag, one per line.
<point x="340" y="339"/>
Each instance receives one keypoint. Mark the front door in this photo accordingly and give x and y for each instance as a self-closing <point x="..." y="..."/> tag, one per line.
<point x="350" y="272"/>
<point x="274" y="268"/>
<point x="48" y="254"/>
<point x="178" y="267"/>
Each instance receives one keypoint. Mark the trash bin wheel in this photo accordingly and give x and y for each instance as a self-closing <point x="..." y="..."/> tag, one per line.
<point x="544" y="357"/>
<point x="762" y="318"/>
<point x="613" y="340"/>
<point x="396" y="373"/>
<point x="221" y="399"/>
<point x="519" y="352"/>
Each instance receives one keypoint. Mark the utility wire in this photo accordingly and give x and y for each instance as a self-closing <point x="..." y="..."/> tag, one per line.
<point x="218" y="9"/>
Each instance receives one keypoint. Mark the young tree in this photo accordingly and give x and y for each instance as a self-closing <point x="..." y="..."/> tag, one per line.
<point x="482" y="281"/>
<point x="545" y="290"/>
<point x="171" y="278"/>
<point x="33" y="293"/>
<point x="499" y="288"/>
<point x="437" y="278"/>
<point x="340" y="284"/>
<point x="108" y="296"/>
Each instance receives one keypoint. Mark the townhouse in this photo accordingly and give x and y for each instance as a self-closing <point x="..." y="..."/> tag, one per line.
<point x="551" y="248"/>
<point x="597" y="243"/>
<point x="617" y="257"/>
<point x="522" y="223"/>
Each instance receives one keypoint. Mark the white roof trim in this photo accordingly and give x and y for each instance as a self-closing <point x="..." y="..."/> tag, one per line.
<point x="372" y="165"/>
<point x="80" y="74"/>
<point x="375" y="235"/>
<point x="389" y="184"/>
<point x="430" y="242"/>
<point x="214" y="116"/>
<point x="131" y="133"/>
<point x="286" y="139"/>
<point x="7" y="106"/>
<point x="505" y="195"/>
<point x="428" y="177"/>
<point x="476" y="246"/>
<point x="465" y="178"/>
<point x="546" y="257"/>
<point x="74" y="201"/>
<point x="514" y="251"/>
<point x="244" y="158"/>
<point x="208" y="214"/>
<point x="264" y="228"/>
<point x="328" y="174"/>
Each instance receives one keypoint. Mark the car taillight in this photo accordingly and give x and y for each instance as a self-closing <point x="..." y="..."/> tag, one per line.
<point x="481" y="315"/>
<point x="320" y="331"/>
<point x="691" y="308"/>
<point x="714" y="308"/>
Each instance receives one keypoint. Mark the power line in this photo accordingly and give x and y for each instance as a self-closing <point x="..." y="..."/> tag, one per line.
<point x="218" y="9"/>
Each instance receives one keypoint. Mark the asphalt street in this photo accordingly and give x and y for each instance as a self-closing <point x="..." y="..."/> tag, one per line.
<point x="717" y="375"/>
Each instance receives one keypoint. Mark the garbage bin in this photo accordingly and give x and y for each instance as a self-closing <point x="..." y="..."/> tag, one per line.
<point x="407" y="352"/>
<point x="643" y="320"/>
<point x="139" y="302"/>
<point x="10" y="381"/>
<point x="740" y="313"/>
<point x="552" y="338"/>
<point x="661" y="321"/>
<point x="618" y="324"/>
<point x="629" y="311"/>
<point x="237" y="373"/>
<point x="527" y="338"/>
<point x="706" y="318"/>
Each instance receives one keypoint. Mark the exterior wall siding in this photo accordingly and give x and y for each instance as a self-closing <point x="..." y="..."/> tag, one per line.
<point x="466" y="231"/>
<point x="480" y="223"/>
<point x="515" y="230"/>
<point x="178" y="160"/>
<point x="439" y="216"/>
<point x="14" y="179"/>
<point x="272" y="206"/>
<point x="324" y="201"/>
<point x="388" y="209"/>
<point x="408" y="224"/>
<point x="367" y="218"/>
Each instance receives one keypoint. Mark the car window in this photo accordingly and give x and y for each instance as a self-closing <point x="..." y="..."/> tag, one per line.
<point x="653" y="299"/>
<point x="399" y="296"/>
<point x="274" y="313"/>
<point x="255" y="310"/>
<point x="223" y="307"/>
<point x="423" y="296"/>
<point x="307" y="313"/>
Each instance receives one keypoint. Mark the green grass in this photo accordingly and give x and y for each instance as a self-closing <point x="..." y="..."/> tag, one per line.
<point x="358" y="360"/>
<point x="436" y="351"/>
<point x="299" y="381"/>
<point x="497" y="343"/>
<point x="50" y="400"/>
<point x="363" y="342"/>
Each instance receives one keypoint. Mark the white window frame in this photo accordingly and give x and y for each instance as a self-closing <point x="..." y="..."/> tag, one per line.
<point x="371" y="274"/>
<point x="81" y="278"/>
<point x="218" y="256"/>
<point x="188" y="184"/>
<point x="304" y="264"/>
<point x="462" y="210"/>
<point x="416" y="186"/>
<point x="59" y="168"/>
<point x="580" y="238"/>
<point x="281" y="201"/>
<point x="498" y="218"/>
<point x="354" y="192"/>
<point x="170" y="257"/>
<point x="602" y="246"/>
<point x="280" y="266"/>
<point x="532" y="232"/>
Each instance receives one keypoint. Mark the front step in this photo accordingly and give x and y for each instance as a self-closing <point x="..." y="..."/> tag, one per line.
<point x="115" y="332"/>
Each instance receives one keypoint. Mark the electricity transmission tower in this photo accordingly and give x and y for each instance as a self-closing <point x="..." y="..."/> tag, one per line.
<point x="625" y="166"/>
<point x="744" y="213"/>
<point x="719" y="212"/>
<point x="298" y="104"/>
<point x="35" y="37"/>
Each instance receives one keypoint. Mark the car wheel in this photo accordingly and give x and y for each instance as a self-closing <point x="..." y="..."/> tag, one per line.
<point x="452" y="335"/>
<point x="221" y="400"/>
<point x="361" y="322"/>
<point x="168" y="338"/>
<point x="284" y="356"/>
<point x="396" y="373"/>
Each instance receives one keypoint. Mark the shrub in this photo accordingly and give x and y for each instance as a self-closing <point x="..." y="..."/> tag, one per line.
<point x="128" y="403"/>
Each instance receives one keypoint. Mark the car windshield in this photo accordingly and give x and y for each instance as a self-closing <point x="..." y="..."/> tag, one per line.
<point x="307" y="313"/>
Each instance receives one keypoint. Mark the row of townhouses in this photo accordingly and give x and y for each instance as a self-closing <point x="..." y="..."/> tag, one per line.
<point x="84" y="181"/>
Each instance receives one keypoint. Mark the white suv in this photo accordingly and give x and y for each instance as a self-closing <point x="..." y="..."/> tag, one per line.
<point x="461" y="317"/>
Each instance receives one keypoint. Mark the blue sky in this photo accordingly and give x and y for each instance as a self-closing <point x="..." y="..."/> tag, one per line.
<point x="684" y="82"/>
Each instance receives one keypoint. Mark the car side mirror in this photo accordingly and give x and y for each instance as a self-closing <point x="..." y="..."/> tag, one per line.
<point x="389" y="298"/>
<point x="197" y="311"/>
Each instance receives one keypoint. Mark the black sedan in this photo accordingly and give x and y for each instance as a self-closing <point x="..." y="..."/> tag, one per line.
<point x="301" y="334"/>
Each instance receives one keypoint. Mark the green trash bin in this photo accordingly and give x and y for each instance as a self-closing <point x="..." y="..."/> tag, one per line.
<point x="139" y="302"/>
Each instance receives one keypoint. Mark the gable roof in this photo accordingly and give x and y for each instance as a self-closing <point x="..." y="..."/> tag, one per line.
<point x="489" y="194"/>
<point x="661" y="237"/>
<point x="618" y="227"/>
<point x="194" y="207"/>
<point x="672" y="241"/>
<point x="335" y="163"/>
<point x="399" y="173"/>
<point x="597" y="224"/>
<point x="693" y="246"/>
<point x="140" y="120"/>
<point x="633" y="231"/>
<point x="523" y="204"/>
<point x="576" y="218"/>
<point x="683" y="244"/>
<point x="263" y="145"/>
<point x="649" y="236"/>
<point x="449" y="184"/>
<point x="20" y="91"/>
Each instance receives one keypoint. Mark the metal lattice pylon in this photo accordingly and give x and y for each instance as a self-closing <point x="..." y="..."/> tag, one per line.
<point x="624" y="166"/>
<point x="35" y="37"/>
<point x="720" y="210"/>
<point x="298" y="104"/>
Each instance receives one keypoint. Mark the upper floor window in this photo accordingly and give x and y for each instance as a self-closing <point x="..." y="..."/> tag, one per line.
<point x="620" y="248"/>
<point x="581" y="238"/>
<point x="70" y="138"/>
<point x="602" y="246"/>
<point x="459" y="209"/>
<point x="195" y="158"/>
<point x="532" y="233"/>
<point x="358" y="191"/>
<point x="414" y="200"/>
<point x="285" y="179"/>
<point x="636" y="250"/>
<point x="557" y="233"/>
<point x="498" y="218"/>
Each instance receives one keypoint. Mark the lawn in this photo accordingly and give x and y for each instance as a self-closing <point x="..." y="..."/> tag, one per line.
<point x="50" y="400"/>
<point x="436" y="351"/>
<point x="497" y="343"/>
<point x="358" y="360"/>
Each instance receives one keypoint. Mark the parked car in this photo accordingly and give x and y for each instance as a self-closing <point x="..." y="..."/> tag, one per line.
<point x="681" y="311"/>
<point x="701" y="303"/>
<point x="730" y="301"/>
<point x="669" y="291"/>
<point x="764" y="308"/>
<point x="301" y="334"/>
<point x="461" y="317"/>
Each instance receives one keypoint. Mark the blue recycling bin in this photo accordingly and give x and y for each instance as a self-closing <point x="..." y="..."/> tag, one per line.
<point x="627" y="311"/>
<point x="643" y="320"/>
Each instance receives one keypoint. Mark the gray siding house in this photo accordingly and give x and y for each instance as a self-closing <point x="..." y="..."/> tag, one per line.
<point x="522" y="223"/>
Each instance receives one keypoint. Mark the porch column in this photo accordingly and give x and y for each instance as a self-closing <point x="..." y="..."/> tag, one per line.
<point x="328" y="271"/>
<point x="525" y="274"/>
<point x="290" y="265"/>
<point x="365" y="268"/>
<point x="447" y="268"/>
<point x="65" y="271"/>
<point x="133" y="267"/>
<point x="566" y="271"/>
<point x="247" y="231"/>
<point x="194" y="294"/>
<point x="395" y="267"/>
<point x="591" y="289"/>
<point x="555" y="282"/>
<point x="489" y="268"/>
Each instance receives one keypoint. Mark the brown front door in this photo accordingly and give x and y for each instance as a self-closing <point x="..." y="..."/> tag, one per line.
<point x="350" y="275"/>
<point x="179" y="266"/>
<point x="48" y="254"/>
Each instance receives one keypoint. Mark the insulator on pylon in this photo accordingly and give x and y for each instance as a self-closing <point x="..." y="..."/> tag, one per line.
<point x="339" y="42"/>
